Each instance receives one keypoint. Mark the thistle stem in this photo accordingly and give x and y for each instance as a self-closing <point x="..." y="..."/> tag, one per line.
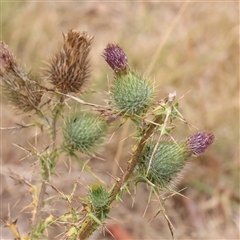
<point x="46" y="172"/>
<point x="132" y="162"/>
<point x="40" y="201"/>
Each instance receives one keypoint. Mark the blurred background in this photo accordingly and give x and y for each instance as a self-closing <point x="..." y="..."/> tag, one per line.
<point x="190" y="48"/>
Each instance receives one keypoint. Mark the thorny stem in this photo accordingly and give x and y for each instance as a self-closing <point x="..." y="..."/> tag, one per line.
<point x="132" y="162"/>
<point x="46" y="173"/>
<point x="54" y="121"/>
<point x="40" y="201"/>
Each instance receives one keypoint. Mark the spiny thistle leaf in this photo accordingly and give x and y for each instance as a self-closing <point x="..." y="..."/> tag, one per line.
<point x="48" y="160"/>
<point x="69" y="68"/>
<point x="22" y="92"/>
<point x="84" y="132"/>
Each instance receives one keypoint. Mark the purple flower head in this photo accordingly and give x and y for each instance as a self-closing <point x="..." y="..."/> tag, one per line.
<point x="116" y="58"/>
<point x="6" y="57"/>
<point x="199" y="142"/>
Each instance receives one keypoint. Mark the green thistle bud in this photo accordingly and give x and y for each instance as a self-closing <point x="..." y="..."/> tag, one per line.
<point x="170" y="158"/>
<point x="98" y="196"/>
<point x="84" y="132"/>
<point x="131" y="94"/>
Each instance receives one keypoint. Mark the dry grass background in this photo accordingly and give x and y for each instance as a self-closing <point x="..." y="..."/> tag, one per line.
<point x="182" y="47"/>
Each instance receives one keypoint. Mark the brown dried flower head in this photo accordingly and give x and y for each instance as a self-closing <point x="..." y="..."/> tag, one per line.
<point x="22" y="92"/>
<point x="69" y="69"/>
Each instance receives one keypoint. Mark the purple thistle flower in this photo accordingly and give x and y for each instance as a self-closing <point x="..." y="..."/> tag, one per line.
<point x="116" y="58"/>
<point x="6" y="58"/>
<point x="199" y="142"/>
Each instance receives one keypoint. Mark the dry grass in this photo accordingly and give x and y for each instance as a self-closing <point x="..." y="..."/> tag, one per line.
<point x="199" y="52"/>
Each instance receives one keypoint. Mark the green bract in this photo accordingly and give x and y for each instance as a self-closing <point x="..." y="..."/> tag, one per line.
<point x="131" y="94"/>
<point x="84" y="132"/>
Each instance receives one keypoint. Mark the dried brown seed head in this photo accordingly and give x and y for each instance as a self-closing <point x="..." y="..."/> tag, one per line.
<point x="69" y="69"/>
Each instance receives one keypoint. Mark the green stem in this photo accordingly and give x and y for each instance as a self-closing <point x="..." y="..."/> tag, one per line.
<point x="46" y="172"/>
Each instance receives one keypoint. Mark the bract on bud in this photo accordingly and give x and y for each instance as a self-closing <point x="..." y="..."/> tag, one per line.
<point x="116" y="58"/>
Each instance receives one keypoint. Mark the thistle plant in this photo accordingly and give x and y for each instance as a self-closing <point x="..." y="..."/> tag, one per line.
<point x="156" y="159"/>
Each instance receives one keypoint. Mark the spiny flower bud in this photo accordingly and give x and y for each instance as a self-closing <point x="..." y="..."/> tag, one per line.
<point x="170" y="158"/>
<point x="22" y="92"/>
<point x="98" y="196"/>
<point x="200" y="141"/>
<point x="131" y="94"/>
<point x="84" y="132"/>
<point x="69" y="69"/>
<point x="116" y="58"/>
